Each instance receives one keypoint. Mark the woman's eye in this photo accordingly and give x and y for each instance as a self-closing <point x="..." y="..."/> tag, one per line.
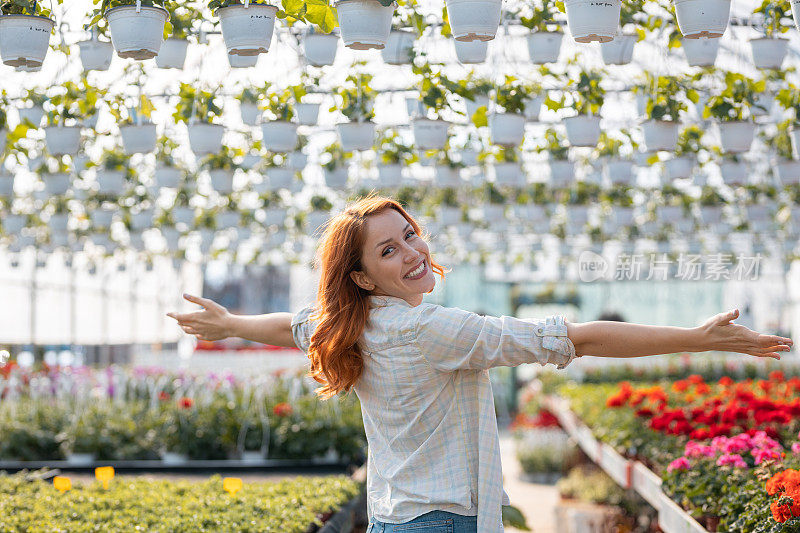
<point x="410" y="233"/>
<point x="387" y="250"/>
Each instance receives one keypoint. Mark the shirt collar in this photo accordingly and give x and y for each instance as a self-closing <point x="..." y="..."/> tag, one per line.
<point x="385" y="301"/>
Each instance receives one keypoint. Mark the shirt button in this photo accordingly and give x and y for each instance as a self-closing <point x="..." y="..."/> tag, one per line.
<point x="539" y="330"/>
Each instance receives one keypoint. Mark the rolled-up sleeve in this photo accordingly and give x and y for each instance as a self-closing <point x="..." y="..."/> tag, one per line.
<point x="303" y="327"/>
<point x="452" y="339"/>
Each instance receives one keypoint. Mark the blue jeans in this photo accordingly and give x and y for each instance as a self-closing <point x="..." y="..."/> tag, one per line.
<point x="432" y="522"/>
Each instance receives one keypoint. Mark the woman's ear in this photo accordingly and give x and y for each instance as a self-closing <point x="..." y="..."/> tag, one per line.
<point x="360" y="279"/>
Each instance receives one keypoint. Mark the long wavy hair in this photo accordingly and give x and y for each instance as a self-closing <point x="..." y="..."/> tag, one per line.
<point x="342" y="306"/>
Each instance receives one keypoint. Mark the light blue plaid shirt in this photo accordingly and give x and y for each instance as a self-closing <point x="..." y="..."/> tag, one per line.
<point x="427" y="404"/>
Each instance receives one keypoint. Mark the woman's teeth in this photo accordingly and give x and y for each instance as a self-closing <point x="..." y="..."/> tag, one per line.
<point x="417" y="271"/>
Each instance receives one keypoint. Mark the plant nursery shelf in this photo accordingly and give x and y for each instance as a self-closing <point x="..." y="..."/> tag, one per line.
<point x="271" y="465"/>
<point x="628" y="474"/>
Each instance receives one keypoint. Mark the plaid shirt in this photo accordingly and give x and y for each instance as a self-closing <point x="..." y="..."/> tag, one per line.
<point x="428" y="408"/>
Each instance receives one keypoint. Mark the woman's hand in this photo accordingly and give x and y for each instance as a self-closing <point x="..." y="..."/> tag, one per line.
<point x="210" y="324"/>
<point x="722" y="334"/>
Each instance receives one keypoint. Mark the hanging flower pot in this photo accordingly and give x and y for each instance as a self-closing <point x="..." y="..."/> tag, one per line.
<point x="794" y="134"/>
<point x="297" y="160"/>
<point x="390" y="176"/>
<point x="472" y="20"/>
<point x="736" y="136"/>
<point x="669" y="214"/>
<point x="788" y="171"/>
<point x="475" y="104"/>
<point x="336" y="178"/>
<point x="138" y="139"/>
<point x="227" y="219"/>
<point x="796" y="13"/>
<point x="56" y="184"/>
<point x="533" y="107"/>
<point x="143" y="219"/>
<point x="561" y="172"/>
<point x="172" y="53"/>
<point x="702" y="18"/>
<point x="471" y="52"/>
<point x="660" y="134"/>
<point x="619" y="171"/>
<point x="13" y="224"/>
<point x="279" y="135"/>
<point x="63" y="140"/>
<point x="242" y="61"/>
<point x="316" y="220"/>
<point x="137" y="32"/>
<point x="507" y="129"/>
<point x="6" y="185"/>
<point x="469" y="157"/>
<point x="364" y="24"/>
<point x="701" y="52"/>
<point x="447" y="176"/>
<point x="356" y="135"/>
<point x="183" y="214"/>
<point x="250" y="113"/>
<point x="222" y="180"/>
<point x="764" y="102"/>
<point x="733" y="172"/>
<point x="493" y="213"/>
<point x="769" y="52"/>
<point x="280" y="178"/>
<point x="320" y="48"/>
<point x="398" y="47"/>
<point x="448" y="215"/>
<point x="544" y="46"/>
<point x="169" y="177"/>
<point x="24" y="40"/>
<point x="110" y="181"/>
<point x="590" y="21"/>
<point x="101" y="218"/>
<point x="275" y="216"/>
<point x="307" y="113"/>
<point x="205" y="138"/>
<point x="96" y="54"/>
<point x="508" y="174"/>
<point x="247" y="30"/>
<point x="620" y="50"/>
<point x="679" y="167"/>
<point x="583" y="130"/>
<point x="32" y="115"/>
<point x="430" y="134"/>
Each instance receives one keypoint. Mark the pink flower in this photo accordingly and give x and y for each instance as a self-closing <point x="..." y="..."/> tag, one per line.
<point x="681" y="463"/>
<point x="796" y="447"/>
<point x="731" y="459"/>
<point x="763" y="454"/>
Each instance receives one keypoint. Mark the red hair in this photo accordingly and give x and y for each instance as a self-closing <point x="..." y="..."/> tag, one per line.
<point x="342" y="306"/>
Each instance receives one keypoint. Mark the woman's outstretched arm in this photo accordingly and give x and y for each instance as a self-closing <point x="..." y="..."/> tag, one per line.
<point x="215" y="323"/>
<point x="620" y="339"/>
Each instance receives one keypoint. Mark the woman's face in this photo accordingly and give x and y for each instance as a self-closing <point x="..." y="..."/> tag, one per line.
<point x="395" y="260"/>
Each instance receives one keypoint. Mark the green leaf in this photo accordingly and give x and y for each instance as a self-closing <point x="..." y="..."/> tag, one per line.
<point x="479" y="118"/>
<point x="513" y="517"/>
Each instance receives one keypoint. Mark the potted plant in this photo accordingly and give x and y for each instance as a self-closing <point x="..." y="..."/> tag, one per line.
<point x="365" y="24"/>
<point x="505" y="166"/>
<point x="25" y="28"/>
<point x="689" y="144"/>
<point x="242" y="61"/>
<point x="476" y="92"/>
<point x="221" y="167"/>
<point x="307" y="112"/>
<point x="586" y="96"/>
<point x="392" y="155"/>
<point x="137" y="28"/>
<point x="55" y="174"/>
<point x="430" y="129"/>
<point x="562" y="170"/>
<point x="67" y="105"/>
<point x="789" y="100"/>
<point x="320" y="47"/>
<point x="702" y="19"/>
<point x="448" y="209"/>
<point x="593" y="21"/>
<point x="619" y="51"/>
<point x="473" y="20"/>
<point x="198" y="109"/>
<point x="493" y="207"/>
<point x="334" y="160"/>
<point x="279" y="133"/>
<point x="733" y="169"/>
<point x="770" y="50"/>
<point x="786" y="169"/>
<point x="250" y="105"/>
<point x="297" y="159"/>
<point x="32" y="115"/>
<point x="664" y="104"/>
<point x="112" y="171"/>
<point x="507" y="128"/>
<point x="615" y="150"/>
<point x="731" y="107"/>
<point x="320" y="212"/>
<point x="94" y="53"/>
<point x="447" y="170"/>
<point x="182" y="212"/>
<point x="247" y="25"/>
<point x="544" y="41"/>
<point x="138" y="132"/>
<point x="167" y="173"/>
<point x="355" y="102"/>
<point x="185" y="20"/>
<point x="701" y="52"/>
<point x="407" y="25"/>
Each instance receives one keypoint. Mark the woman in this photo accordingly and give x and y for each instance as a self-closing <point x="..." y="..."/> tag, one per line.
<point x="420" y="370"/>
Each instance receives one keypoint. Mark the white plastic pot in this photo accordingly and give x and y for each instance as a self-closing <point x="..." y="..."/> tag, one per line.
<point x="364" y="24"/>
<point x="356" y="135"/>
<point x="619" y="171"/>
<point x="764" y="103"/>
<point x="544" y="47"/>
<point x="448" y="215"/>
<point x="769" y="52"/>
<point x="143" y="219"/>
<point x="316" y="220"/>
<point x="167" y="176"/>
<point x="733" y="173"/>
<point x="469" y="157"/>
<point x="228" y="219"/>
<point x="660" y="134"/>
<point x="250" y="113"/>
<point x="620" y="50"/>
<point x="172" y="53"/>
<point x="275" y="216"/>
<point x="296" y="160"/>
<point x="279" y="135"/>
<point x="183" y="215"/>
<point x="794" y="133"/>
<point x="471" y="52"/>
<point x="138" y="139"/>
<point x="205" y="138"/>
<point x="398" y="47"/>
<point x="13" y="224"/>
<point x="533" y="107"/>
<point x="222" y="180"/>
<point x="561" y="172"/>
<point x="6" y="185"/>
<point x="796" y="13"/>
<point x="280" y="178"/>
<point x="307" y="113"/>
<point x="96" y="54"/>
<point x="507" y="129"/>
<point x="24" y="40"/>
<point x="56" y="184"/>
<point x="472" y="20"/>
<point x="679" y="167"/>
<point x="110" y="181"/>
<point x="508" y="174"/>
<point x="137" y="33"/>
<point x="583" y="130"/>
<point x="101" y="218"/>
<point x="788" y="171"/>
<point x="247" y="31"/>
<point x="390" y="176"/>
<point x="702" y="18"/>
<point x="589" y="20"/>
<point x="336" y="178"/>
<point x="701" y="52"/>
<point x="736" y="136"/>
<point x="31" y="114"/>
<point x="473" y="105"/>
<point x="320" y="48"/>
<point x="430" y="134"/>
<point x="242" y="61"/>
<point x="61" y="140"/>
<point x="446" y="176"/>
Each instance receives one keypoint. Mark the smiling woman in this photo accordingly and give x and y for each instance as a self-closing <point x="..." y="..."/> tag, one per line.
<point x="420" y="370"/>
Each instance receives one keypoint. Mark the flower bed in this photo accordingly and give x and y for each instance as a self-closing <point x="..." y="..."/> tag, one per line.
<point x="138" y="504"/>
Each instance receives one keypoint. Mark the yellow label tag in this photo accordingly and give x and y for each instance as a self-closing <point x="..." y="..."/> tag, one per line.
<point x="232" y="485"/>
<point x="104" y="474"/>
<point x="62" y="484"/>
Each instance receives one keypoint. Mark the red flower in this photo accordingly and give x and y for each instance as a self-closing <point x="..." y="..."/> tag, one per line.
<point x="163" y="396"/>
<point x="282" y="409"/>
<point x="185" y="403"/>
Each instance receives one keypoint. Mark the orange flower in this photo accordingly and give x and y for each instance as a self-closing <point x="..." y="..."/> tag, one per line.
<point x="282" y="409"/>
<point x="185" y="403"/>
<point x="781" y="513"/>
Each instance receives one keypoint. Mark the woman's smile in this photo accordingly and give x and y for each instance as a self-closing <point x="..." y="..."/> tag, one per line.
<point x="418" y="272"/>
